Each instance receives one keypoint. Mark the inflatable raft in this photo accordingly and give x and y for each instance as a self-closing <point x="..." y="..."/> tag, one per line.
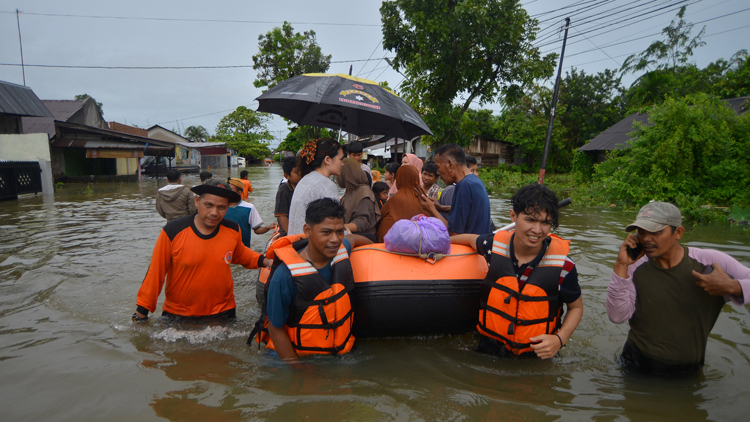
<point x="402" y="295"/>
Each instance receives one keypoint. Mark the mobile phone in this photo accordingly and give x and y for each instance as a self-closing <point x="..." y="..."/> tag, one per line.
<point x="634" y="252"/>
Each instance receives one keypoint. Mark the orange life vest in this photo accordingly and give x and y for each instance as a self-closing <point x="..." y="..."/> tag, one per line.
<point x="512" y="315"/>
<point x="320" y="315"/>
<point x="279" y="243"/>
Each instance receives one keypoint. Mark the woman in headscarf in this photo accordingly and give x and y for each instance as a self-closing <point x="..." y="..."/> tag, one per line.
<point x="360" y="205"/>
<point x="404" y="204"/>
<point x="413" y="160"/>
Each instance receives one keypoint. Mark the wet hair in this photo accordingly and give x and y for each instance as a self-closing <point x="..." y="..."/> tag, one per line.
<point x="430" y="167"/>
<point x="324" y="147"/>
<point x="205" y="176"/>
<point x="173" y="175"/>
<point x="288" y="164"/>
<point x="378" y="187"/>
<point x="470" y="161"/>
<point x="354" y="148"/>
<point x="320" y="209"/>
<point x="535" y="198"/>
<point x="453" y="152"/>
<point x="243" y="174"/>
<point x="392" y="167"/>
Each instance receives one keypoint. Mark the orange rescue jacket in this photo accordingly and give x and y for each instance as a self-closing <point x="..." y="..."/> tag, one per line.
<point x="320" y="316"/>
<point x="512" y="315"/>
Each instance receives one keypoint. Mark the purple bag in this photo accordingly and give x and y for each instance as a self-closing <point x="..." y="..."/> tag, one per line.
<point x="419" y="235"/>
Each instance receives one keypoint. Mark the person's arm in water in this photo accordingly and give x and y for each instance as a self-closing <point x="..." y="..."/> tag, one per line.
<point x="161" y="263"/>
<point x="549" y="344"/>
<point x="282" y="344"/>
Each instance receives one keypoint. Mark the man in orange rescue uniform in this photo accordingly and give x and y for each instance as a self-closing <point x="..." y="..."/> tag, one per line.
<point x="193" y="253"/>
<point x="313" y="277"/>
<point x="530" y="276"/>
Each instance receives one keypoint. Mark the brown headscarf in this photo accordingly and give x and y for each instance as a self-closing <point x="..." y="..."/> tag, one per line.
<point x="404" y="204"/>
<point x="357" y="186"/>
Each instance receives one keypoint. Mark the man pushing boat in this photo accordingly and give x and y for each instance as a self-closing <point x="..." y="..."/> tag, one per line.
<point x="671" y="295"/>
<point x="307" y="305"/>
<point x="193" y="254"/>
<point x="529" y="279"/>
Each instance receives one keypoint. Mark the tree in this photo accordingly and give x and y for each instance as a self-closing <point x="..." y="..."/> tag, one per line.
<point x="282" y="54"/>
<point x="298" y="136"/>
<point x="673" y="52"/>
<point x="84" y="97"/>
<point x="592" y="103"/>
<point x="470" y="51"/>
<point x="196" y="133"/>
<point x="245" y="130"/>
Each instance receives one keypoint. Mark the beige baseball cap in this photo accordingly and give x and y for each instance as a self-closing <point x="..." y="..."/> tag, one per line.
<point x="655" y="216"/>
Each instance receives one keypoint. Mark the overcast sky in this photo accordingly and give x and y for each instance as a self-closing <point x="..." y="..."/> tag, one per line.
<point x="181" y="33"/>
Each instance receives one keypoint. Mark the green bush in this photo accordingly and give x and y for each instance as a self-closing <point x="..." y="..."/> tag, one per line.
<point x="695" y="154"/>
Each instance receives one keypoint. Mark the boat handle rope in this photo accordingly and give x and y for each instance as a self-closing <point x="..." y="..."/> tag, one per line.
<point x="431" y="257"/>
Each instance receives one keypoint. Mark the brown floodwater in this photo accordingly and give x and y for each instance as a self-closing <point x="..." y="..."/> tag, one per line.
<point x="70" y="268"/>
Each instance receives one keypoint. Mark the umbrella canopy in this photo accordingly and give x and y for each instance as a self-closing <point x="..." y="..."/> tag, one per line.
<point x="354" y="105"/>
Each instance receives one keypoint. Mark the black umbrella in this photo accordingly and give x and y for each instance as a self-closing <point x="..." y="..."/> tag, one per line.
<point x="343" y="102"/>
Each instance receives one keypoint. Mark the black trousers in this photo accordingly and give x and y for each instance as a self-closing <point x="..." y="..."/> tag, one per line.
<point x="231" y="313"/>
<point x="633" y="358"/>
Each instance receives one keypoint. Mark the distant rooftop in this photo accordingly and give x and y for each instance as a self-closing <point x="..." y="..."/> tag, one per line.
<point x="61" y="110"/>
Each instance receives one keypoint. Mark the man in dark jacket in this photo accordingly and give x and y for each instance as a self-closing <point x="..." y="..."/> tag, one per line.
<point x="175" y="200"/>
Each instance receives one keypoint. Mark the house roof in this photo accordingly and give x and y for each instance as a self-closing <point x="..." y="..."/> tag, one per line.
<point x="616" y="136"/>
<point x="20" y="100"/>
<point x="60" y="109"/>
<point x="105" y="138"/>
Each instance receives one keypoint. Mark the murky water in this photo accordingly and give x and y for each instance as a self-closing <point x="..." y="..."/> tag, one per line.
<point x="70" y="268"/>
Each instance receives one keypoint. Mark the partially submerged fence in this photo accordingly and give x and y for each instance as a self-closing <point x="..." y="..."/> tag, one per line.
<point x="18" y="178"/>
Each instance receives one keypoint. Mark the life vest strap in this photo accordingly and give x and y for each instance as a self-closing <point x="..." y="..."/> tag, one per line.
<point x="514" y="320"/>
<point x="328" y="300"/>
<point x="334" y="350"/>
<point x="520" y="296"/>
<point x="505" y="340"/>
<point x="326" y="325"/>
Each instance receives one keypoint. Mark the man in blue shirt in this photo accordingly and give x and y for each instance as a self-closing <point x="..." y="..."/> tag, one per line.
<point x="470" y="207"/>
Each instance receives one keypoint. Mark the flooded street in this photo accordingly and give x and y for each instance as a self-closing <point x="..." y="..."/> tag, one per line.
<point x="70" y="268"/>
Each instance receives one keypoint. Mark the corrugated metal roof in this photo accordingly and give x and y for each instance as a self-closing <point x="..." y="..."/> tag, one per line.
<point x="61" y="110"/>
<point x="20" y="100"/>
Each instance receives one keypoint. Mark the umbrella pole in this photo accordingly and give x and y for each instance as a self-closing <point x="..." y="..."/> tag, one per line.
<point x="341" y="125"/>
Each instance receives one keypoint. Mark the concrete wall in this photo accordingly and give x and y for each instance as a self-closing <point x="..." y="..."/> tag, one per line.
<point x="30" y="147"/>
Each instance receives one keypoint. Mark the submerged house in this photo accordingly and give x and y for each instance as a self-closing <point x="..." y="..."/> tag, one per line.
<point x="491" y="152"/>
<point x="207" y="155"/>
<point x="618" y="136"/>
<point x="83" y="147"/>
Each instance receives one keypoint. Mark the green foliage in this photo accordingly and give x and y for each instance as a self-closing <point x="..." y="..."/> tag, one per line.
<point x="505" y="180"/>
<point x="739" y="214"/>
<point x="196" y="133"/>
<point x="583" y="166"/>
<point x="695" y="153"/>
<point x="472" y="50"/>
<point x="282" y="54"/>
<point x="736" y="80"/>
<point x="674" y="51"/>
<point x="244" y="130"/>
<point x="592" y="104"/>
<point x="84" y="97"/>
<point x="298" y="136"/>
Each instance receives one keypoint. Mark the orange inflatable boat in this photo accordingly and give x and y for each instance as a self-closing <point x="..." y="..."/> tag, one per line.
<point x="402" y="295"/>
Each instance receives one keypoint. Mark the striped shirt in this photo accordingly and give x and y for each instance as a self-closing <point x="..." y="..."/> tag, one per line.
<point x="569" y="289"/>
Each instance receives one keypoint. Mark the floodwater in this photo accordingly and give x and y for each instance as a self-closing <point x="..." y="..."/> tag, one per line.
<point x="70" y="268"/>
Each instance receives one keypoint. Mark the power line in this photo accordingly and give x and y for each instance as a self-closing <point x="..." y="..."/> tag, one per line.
<point x="189" y="19"/>
<point x="155" y="67"/>
<point x="373" y="52"/>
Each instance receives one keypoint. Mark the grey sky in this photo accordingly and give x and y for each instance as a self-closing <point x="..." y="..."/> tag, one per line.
<point x="147" y="97"/>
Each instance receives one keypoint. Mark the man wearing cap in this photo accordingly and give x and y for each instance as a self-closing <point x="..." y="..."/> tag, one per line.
<point x="192" y="254"/>
<point x="670" y="294"/>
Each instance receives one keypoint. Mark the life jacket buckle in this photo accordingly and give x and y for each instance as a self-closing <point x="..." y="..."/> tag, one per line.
<point x="507" y="300"/>
<point x="510" y="329"/>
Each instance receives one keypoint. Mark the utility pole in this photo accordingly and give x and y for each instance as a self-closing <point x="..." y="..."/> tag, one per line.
<point x="548" y="137"/>
<point x="20" y="42"/>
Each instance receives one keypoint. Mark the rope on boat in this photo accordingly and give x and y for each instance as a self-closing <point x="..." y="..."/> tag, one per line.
<point x="431" y="257"/>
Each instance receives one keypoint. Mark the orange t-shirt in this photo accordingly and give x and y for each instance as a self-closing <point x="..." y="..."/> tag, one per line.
<point x="196" y="268"/>
<point x="248" y="188"/>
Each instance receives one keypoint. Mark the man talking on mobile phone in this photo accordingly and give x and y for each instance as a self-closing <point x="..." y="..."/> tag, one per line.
<point x="671" y="295"/>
